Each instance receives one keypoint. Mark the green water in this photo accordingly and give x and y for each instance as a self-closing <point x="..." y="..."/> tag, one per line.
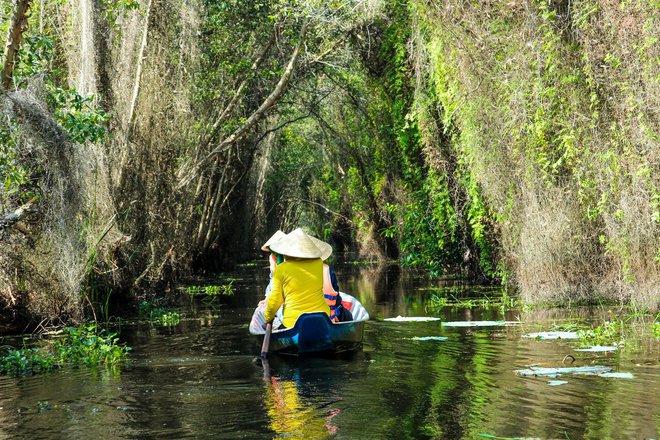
<point x="200" y="378"/>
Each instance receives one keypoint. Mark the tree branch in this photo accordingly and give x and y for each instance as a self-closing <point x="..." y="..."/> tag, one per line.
<point x="230" y="107"/>
<point x="16" y="28"/>
<point x="325" y="208"/>
<point x="254" y="118"/>
<point x="138" y="75"/>
<point x="291" y="121"/>
<point x="13" y="218"/>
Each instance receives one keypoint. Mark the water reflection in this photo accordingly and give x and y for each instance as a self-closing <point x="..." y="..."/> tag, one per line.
<point x="293" y="415"/>
<point x="199" y="379"/>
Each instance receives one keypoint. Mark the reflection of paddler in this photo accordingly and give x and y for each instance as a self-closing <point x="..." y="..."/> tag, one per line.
<point x="298" y="281"/>
<point x="289" y="416"/>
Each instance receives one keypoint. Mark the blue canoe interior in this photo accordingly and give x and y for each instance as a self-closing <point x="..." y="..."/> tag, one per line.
<point x="314" y="332"/>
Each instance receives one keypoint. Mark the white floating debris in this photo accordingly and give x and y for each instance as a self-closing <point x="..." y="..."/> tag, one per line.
<point x="477" y="323"/>
<point x="552" y="335"/>
<point x="412" y="319"/>
<point x="598" y="348"/>
<point x="555" y="372"/>
<point x="429" y="338"/>
<point x="554" y="383"/>
<point x="618" y="375"/>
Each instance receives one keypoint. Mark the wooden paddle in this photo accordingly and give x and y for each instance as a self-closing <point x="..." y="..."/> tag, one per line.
<point x="266" y="344"/>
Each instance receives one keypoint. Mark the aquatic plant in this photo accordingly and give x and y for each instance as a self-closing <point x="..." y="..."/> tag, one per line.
<point x="436" y="302"/>
<point x="89" y="345"/>
<point x="504" y="302"/>
<point x="224" y="289"/>
<point x="26" y="361"/>
<point x="158" y="314"/>
<point x="168" y="319"/>
<point x="149" y="310"/>
<point x="212" y="291"/>
<point x="606" y="334"/>
<point x="85" y="345"/>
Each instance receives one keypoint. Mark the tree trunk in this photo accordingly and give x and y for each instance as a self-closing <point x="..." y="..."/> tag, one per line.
<point x="16" y="28"/>
<point x="138" y="75"/>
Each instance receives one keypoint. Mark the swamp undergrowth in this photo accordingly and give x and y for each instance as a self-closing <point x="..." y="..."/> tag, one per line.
<point x="625" y="327"/>
<point x="211" y="292"/>
<point x="158" y="314"/>
<point x="86" y="345"/>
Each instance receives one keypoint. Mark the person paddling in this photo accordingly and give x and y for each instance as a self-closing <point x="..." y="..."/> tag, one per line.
<point x="298" y="281"/>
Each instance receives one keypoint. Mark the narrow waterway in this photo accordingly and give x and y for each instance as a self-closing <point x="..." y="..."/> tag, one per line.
<point x="200" y="378"/>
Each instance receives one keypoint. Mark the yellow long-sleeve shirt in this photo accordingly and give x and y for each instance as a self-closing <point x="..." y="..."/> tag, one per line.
<point x="298" y="284"/>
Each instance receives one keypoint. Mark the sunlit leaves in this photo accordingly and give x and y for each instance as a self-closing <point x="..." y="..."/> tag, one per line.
<point x="83" y="120"/>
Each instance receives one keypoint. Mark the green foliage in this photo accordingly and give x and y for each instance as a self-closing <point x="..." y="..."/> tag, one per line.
<point x="294" y="163"/>
<point x="438" y="301"/>
<point x="79" y="116"/>
<point x="168" y="319"/>
<point x="226" y="289"/>
<point x="426" y="231"/>
<point x="546" y="116"/>
<point x="228" y="51"/>
<point x="149" y="310"/>
<point x="15" y="177"/>
<point x="86" y="345"/>
<point x="89" y="345"/>
<point x="36" y="57"/>
<point x="431" y="232"/>
<point x="608" y="333"/>
<point x="114" y="8"/>
<point x="26" y="361"/>
<point x="158" y="314"/>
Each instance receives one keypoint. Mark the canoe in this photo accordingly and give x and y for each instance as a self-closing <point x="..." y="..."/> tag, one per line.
<point x="314" y="332"/>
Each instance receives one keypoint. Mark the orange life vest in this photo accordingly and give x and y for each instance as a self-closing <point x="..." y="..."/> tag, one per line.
<point x="329" y="294"/>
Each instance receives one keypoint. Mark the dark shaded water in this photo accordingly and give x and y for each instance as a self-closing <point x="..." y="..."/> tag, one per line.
<point x="199" y="379"/>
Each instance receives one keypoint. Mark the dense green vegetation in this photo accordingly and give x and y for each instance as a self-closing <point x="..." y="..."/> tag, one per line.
<point x="484" y="146"/>
<point x="86" y="345"/>
<point x="507" y="142"/>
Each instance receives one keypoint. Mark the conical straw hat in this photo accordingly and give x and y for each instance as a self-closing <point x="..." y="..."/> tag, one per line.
<point x="325" y="248"/>
<point x="273" y="239"/>
<point x="296" y="244"/>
